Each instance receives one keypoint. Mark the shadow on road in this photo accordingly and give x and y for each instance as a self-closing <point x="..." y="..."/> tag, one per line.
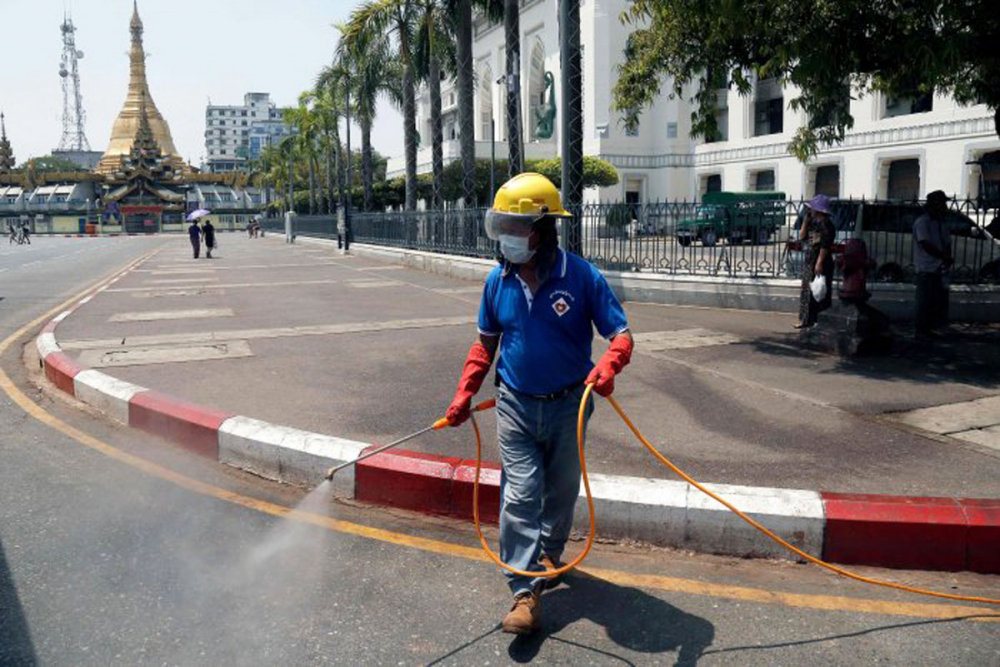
<point x="632" y="619"/>
<point x="847" y="635"/>
<point x="967" y="354"/>
<point x="16" y="649"/>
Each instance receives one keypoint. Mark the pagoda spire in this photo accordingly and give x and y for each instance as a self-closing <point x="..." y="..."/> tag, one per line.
<point x="7" y="160"/>
<point x="126" y="127"/>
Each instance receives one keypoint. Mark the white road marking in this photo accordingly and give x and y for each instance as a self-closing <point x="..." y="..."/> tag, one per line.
<point x="183" y="267"/>
<point x="374" y="283"/>
<point x="138" y="356"/>
<point x="154" y="315"/>
<point x="171" y="281"/>
<point x="278" y="332"/>
<point x="178" y="272"/>
<point x="258" y="284"/>
<point x="458" y="290"/>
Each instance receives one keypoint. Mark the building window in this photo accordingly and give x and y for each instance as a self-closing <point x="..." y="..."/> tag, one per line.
<point x="711" y="183"/>
<point x="721" y="117"/>
<point x="904" y="106"/>
<point x="769" y="108"/>
<point x="904" y="180"/>
<point x="485" y="104"/>
<point x="671" y="130"/>
<point x="763" y="181"/>
<point x="828" y="180"/>
<point x="632" y="131"/>
<point x="988" y="177"/>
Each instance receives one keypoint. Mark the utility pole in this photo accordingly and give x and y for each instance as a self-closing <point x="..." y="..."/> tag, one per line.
<point x="348" y="232"/>
<point x="571" y="121"/>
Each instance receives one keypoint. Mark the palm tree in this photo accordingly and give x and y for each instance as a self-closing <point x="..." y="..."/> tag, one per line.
<point x="401" y="19"/>
<point x="431" y="41"/>
<point x="306" y="123"/>
<point x="373" y="73"/>
<point x="461" y="10"/>
<point x="328" y="96"/>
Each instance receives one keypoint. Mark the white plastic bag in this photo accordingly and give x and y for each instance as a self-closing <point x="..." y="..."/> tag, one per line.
<point x="818" y="287"/>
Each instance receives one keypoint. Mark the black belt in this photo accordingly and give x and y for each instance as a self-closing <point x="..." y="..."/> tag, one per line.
<point x="554" y="396"/>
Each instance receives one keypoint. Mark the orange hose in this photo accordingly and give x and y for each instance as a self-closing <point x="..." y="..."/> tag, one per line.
<point x="687" y="478"/>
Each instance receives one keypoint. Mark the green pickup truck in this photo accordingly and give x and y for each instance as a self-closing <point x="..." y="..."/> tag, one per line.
<point x="734" y="216"/>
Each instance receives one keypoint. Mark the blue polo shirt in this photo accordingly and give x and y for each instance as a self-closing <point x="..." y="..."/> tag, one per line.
<point x="545" y="342"/>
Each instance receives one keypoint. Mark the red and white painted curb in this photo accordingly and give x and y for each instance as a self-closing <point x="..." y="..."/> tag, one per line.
<point x="885" y="531"/>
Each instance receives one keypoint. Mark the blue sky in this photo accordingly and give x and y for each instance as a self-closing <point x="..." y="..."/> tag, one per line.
<point x="196" y="50"/>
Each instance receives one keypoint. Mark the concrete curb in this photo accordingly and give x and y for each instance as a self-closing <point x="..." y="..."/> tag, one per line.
<point x="885" y="531"/>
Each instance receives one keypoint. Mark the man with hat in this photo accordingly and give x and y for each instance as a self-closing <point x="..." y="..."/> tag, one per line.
<point x="539" y="308"/>
<point x="932" y="258"/>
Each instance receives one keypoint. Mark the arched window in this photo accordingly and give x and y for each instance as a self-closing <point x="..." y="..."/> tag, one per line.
<point x="536" y="87"/>
<point x="485" y="103"/>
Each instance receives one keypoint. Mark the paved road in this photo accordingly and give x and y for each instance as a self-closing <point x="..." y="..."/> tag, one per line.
<point x="116" y="549"/>
<point x="317" y="344"/>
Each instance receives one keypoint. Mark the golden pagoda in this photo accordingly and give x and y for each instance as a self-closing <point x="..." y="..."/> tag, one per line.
<point x="138" y="103"/>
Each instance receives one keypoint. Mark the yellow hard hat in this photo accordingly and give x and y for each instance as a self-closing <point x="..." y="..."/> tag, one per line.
<point x="520" y="202"/>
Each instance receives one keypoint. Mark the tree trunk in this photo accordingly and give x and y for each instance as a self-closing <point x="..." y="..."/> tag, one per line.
<point x="466" y="130"/>
<point x="366" y="161"/>
<point x="291" y="185"/>
<point x="512" y="33"/>
<point x="571" y="132"/>
<point x="409" y="124"/>
<point x="328" y="175"/>
<point x="437" y="132"/>
<point x="312" y="185"/>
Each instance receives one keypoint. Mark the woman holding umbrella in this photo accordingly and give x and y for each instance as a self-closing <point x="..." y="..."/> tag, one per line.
<point x="194" y="233"/>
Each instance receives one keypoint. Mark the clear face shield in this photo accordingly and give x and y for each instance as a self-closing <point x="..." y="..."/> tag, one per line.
<point x="509" y="224"/>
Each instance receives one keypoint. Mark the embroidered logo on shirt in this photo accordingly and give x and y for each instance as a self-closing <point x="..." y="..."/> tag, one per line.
<point x="560" y="306"/>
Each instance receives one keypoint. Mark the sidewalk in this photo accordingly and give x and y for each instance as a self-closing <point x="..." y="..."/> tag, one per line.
<point x="368" y="351"/>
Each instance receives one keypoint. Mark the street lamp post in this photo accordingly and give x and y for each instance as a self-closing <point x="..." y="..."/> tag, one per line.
<point x="348" y="232"/>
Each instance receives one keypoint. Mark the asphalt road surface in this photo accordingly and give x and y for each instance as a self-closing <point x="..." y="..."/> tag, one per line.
<point x="116" y="549"/>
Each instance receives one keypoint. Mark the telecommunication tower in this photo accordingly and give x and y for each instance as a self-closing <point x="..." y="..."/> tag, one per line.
<point x="73" y="137"/>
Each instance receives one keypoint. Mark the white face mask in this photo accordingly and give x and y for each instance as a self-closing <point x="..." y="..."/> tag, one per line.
<point x="515" y="249"/>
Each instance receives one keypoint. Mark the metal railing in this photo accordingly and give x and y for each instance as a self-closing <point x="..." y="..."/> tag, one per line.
<point x="748" y="239"/>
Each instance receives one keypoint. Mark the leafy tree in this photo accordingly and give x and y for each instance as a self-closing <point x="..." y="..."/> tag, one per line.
<point x="400" y="18"/>
<point x="597" y="173"/>
<point x="51" y="163"/>
<point x="822" y="47"/>
<point x="373" y="72"/>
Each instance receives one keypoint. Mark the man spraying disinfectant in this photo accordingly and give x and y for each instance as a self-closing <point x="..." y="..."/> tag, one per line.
<point x="539" y="307"/>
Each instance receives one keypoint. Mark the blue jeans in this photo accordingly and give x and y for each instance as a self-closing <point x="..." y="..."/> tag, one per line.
<point x="540" y="481"/>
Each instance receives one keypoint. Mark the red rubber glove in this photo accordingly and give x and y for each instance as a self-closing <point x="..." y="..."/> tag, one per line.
<point x="477" y="365"/>
<point x="610" y="364"/>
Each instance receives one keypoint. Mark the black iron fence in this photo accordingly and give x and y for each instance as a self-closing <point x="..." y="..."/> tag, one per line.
<point x="756" y="239"/>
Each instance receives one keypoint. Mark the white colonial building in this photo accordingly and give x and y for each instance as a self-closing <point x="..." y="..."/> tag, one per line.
<point x="898" y="148"/>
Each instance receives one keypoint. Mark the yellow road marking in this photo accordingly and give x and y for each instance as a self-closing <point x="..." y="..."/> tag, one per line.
<point x="670" y="584"/>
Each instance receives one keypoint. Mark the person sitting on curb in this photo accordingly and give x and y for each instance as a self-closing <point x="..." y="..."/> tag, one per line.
<point x="539" y="307"/>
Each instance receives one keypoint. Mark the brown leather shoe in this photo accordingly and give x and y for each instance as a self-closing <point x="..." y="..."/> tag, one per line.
<point x="522" y="619"/>
<point x="549" y="564"/>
